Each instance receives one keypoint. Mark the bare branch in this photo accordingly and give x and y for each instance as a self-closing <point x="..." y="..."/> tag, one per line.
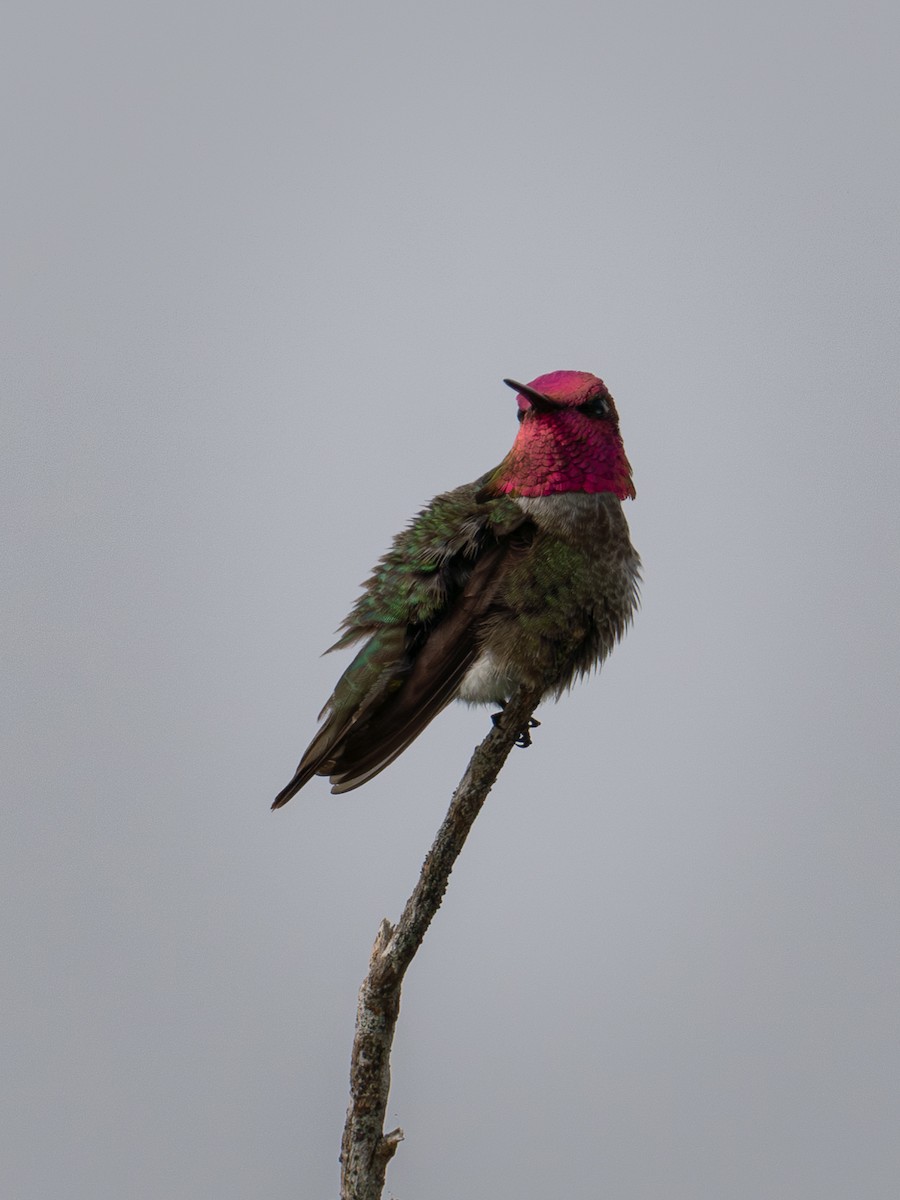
<point x="365" y="1149"/>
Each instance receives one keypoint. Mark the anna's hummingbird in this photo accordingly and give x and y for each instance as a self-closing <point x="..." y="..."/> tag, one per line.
<point x="526" y="576"/>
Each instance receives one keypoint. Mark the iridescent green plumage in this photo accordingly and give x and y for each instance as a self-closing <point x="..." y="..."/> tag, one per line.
<point x="417" y="578"/>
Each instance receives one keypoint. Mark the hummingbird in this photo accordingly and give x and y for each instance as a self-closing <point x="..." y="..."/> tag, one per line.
<point x="526" y="576"/>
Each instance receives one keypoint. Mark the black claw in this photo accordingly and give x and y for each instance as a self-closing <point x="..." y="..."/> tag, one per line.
<point x="524" y="738"/>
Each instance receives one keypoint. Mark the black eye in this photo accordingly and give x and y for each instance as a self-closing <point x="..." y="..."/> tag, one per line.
<point x="597" y="406"/>
<point x="520" y="415"/>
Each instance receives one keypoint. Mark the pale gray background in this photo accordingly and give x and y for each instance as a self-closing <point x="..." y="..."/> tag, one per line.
<point x="264" y="268"/>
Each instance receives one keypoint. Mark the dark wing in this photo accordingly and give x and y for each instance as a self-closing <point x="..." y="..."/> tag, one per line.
<point x="405" y="674"/>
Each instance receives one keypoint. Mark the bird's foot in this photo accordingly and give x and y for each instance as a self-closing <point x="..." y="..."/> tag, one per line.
<point x="524" y="738"/>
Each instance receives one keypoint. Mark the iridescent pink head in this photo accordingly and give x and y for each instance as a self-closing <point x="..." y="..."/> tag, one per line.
<point x="568" y="440"/>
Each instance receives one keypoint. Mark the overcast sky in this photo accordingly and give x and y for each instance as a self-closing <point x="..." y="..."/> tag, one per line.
<point x="265" y="267"/>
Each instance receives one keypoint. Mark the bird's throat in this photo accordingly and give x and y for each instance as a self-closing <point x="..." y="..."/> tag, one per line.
<point x="543" y="463"/>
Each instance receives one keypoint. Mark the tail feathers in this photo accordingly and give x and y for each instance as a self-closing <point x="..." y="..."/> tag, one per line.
<point x="353" y="751"/>
<point x="320" y="753"/>
<point x="300" y="778"/>
<point x="359" y="689"/>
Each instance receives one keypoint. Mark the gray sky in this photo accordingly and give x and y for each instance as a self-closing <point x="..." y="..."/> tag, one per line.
<point x="265" y="268"/>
